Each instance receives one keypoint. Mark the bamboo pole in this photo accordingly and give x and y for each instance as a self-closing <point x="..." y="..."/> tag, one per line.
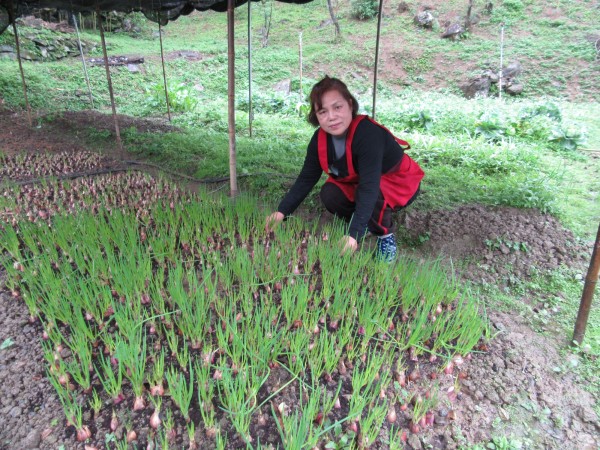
<point x="231" y="97"/>
<point x="250" y="111"/>
<point x="501" y="61"/>
<point x="13" y="19"/>
<point x="162" y="59"/>
<point x="588" y="293"/>
<point x="377" y="57"/>
<point x="110" y="87"/>
<point x="87" y="78"/>
<point x="300" y="62"/>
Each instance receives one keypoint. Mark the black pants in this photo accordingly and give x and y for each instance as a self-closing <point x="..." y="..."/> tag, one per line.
<point x="380" y="222"/>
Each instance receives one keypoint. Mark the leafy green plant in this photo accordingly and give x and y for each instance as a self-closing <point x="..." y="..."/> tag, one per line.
<point x="491" y="127"/>
<point x="420" y="120"/>
<point x="364" y="9"/>
<point x="568" y="139"/>
<point x="181" y="97"/>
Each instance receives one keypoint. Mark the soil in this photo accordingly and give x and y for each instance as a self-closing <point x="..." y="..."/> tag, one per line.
<point x="509" y="388"/>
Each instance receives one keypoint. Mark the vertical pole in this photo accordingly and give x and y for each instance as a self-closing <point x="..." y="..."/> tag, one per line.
<point x="110" y="87"/>
<point x="300" y="57"/>
<point x="162" y="58"/>
<point x="231" y="97"/>
<point x="588" y="292"/>
<point x="13" y="19"/>
<point x="501" y="61"/>
<point x="250" y="111"/>
<point x="377" y="56"/>
<point x="87" y="78"/>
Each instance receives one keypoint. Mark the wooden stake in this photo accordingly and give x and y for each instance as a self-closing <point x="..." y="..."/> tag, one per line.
<point x="250" y="111"/>
<point x="377" y="57"/>
<point x="300" y="62"/>
<point x="588" y="293"/>
<point x="110" y="87"/>
<point x="231" y="98"/>
<point x="501" y="61"/>
<point x="13" y="19"/>
<point x="87" y="78"/>
<point x="162" y="58"/>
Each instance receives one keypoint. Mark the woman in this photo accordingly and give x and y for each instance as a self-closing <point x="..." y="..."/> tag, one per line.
<point x="369" y="174"/>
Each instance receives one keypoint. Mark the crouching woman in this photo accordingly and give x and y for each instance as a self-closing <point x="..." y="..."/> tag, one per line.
<point x="369" y="175"/>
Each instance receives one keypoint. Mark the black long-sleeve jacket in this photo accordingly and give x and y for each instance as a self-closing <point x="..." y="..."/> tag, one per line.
<point x="374" y="152"/>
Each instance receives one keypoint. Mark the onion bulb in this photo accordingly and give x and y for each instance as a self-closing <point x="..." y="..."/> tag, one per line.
<point x="155" y="420"/>
<point x="131" y="436"/>
<point x="391" y="416"/>
<point x="114" y="422"/>
<point x="84" y="433"/>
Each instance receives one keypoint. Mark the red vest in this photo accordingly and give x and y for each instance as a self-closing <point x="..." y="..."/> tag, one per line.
<point x="398" y="186"/>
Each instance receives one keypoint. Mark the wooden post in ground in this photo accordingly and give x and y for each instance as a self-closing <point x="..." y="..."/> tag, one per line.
<point x="377" y="57"/>
<point x="110" y="87"/>
<point x="13" y="18"/>
<point x="162" y="59"/>
<point x="250" y="112"/>
<point x="231" y="98"/>
<point x="87" y="78"/>
<point x="588" y="293"/>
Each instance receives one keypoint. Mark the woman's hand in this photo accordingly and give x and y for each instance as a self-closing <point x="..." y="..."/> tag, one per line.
<point x="273" y="220"/>
<point x="349" y="244"/>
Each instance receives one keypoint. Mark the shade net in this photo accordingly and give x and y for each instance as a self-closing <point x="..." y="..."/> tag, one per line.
<point x="155" y="10"/>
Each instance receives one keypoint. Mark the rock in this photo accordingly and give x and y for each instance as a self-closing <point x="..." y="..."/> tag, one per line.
<point x="453" y="31"/>
<point x="284" y="86"/>
<point x="7" y="49"/>
<point x="414" y="441"/>
<point x="503" y="414"/>
<point x="424" y="19"/>
<point x="133" y="68"/>
<point x="477" y="87"/>
<point x="514" y="88"/>
<point x="32" y="440"/>
<point x="513" y="70"/>
<point x="493" y="397"/>
<point x="500" y="326"/>
<point x="587" y="414"/>
<point x="324" y="23"/>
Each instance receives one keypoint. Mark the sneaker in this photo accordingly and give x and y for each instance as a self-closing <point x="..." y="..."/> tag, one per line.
<point x="386" y="248"/>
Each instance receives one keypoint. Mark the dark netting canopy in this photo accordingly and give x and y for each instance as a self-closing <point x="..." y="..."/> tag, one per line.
<point x="156" y="10"/>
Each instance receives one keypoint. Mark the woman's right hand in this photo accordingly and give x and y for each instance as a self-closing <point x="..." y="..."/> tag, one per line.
<point x="273" y="220"/>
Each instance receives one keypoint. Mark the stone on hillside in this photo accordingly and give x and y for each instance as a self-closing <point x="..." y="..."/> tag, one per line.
<point x="424" y="19"/>
<point x="284" y="86"/>
<point x="324" y="23"/>
<point x="133" y="68"/>
<point x="7" y="49"/>
<point x="513" y="70"/>
<point x="477" y="87"/>
<point x="453" y="31"/>
<point x="514" y="88"/>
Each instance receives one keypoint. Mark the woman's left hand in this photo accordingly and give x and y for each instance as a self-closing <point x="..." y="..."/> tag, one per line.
<point x="348" y="244"/>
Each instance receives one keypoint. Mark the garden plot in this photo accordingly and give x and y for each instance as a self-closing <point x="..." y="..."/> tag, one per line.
<point x="178" y="320"/>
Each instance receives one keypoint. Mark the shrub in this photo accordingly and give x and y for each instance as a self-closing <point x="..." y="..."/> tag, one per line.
<point x="364" y="9"/>
<point x="181" y="97"/>
<point x="567" y="138"/>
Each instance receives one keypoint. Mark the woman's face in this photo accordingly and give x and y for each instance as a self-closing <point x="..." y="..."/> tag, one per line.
<point x="335" y="113"/>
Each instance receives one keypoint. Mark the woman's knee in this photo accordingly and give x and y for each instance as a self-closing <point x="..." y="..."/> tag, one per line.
<point x="335" y="201"/>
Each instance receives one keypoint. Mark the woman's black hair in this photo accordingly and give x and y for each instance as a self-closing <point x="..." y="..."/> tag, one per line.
<point x="325" y="85"/>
